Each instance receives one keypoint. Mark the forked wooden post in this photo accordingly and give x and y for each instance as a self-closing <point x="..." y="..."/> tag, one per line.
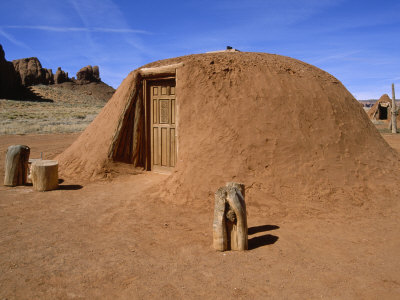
<point x="394" y="112"/>
<point x="230" y="218"/>
<point x="16" y="167"/>
<point x="220" y="238"/>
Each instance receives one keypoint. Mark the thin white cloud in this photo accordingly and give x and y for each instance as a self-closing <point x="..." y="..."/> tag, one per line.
<point x="105" y="12"/>
<point x="78" y="29"/>
<point x="335" y="57"/>
<point x="108" y="17"/>
<point x="12" y="39"/>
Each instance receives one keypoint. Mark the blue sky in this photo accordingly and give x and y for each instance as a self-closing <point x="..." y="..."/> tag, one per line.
<point x="356" y="41"/>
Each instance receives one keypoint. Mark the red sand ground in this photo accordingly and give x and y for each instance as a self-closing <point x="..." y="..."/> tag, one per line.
<point x="117" y="239"/>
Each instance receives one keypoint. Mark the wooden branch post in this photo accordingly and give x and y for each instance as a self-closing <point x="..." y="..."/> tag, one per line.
<point x="16" y="167"/>
<point x="44" y="174"/>
<point x="394" y="112"/>
<point x="230" y="219"/>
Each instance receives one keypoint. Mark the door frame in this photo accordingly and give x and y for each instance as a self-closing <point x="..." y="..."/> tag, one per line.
<point x="146" y="83"/>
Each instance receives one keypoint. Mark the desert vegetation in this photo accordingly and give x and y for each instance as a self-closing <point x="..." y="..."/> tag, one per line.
<point x="23" y="117"/>
<point x="62" y="108"/>
<point x="33" y="100"/>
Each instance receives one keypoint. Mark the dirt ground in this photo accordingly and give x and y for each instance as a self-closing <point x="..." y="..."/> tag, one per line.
<point x="116" y="239"/>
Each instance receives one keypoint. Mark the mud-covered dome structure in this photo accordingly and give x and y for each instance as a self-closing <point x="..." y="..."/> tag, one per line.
<point x="286" y="129"/>
<point x="382" y="109"/>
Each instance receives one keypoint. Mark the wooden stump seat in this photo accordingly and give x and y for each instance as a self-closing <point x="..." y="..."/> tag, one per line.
<point x="44" y="174"/>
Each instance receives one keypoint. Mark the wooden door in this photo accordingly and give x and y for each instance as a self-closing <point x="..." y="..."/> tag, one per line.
<point x="162" y="125"/>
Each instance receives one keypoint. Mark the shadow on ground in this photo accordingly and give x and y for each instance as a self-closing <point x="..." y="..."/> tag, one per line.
<point x="64" y="187"/>
<point x="26" y="94"/>
<point x="262" y="240"/>
<point x="70" y="187"/>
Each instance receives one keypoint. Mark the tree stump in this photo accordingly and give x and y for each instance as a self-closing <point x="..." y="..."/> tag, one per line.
<point x="44" y="175"/>
<point x="230" y="219"/>
<point x="16" y="166"/>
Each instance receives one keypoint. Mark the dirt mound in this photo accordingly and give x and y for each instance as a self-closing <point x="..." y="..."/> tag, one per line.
<point x="385" y="98"/>
<point x="289" y="131"/>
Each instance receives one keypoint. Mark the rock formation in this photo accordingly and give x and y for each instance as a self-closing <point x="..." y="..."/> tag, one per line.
<point x="60" y="76"/>
<point x="88" y="74"/>
<point x="8" y="76"/>
<point x="17" y="77"/>
<point x="31" y="72"/>
<point x="49" y="77"/>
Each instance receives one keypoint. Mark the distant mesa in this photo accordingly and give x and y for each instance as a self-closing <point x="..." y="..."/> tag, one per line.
<point x="18" y="75"/>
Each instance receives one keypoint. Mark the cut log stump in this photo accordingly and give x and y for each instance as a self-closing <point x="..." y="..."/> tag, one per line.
<point x="44" y="174"/>
<point x="16" y="166"/>
<point x="230" y="218"/>
<point x="31" y="161"/>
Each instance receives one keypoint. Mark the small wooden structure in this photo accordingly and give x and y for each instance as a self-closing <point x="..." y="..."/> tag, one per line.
<point x="230" y="219"/>
<point x="16" y="167"/>
<point x="395" y="111"/>
<point x="44" y="174"/>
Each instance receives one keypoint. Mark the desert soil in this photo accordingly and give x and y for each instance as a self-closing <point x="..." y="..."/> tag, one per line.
<point x="117" y="239"/>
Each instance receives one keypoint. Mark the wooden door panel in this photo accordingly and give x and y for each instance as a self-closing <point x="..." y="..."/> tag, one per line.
<point x="154" y="110"/>
<point x="155" y="155"/>
<point x="172" y="147"/>
<point x="163" y="128"/>
<point x="173" y="111"/>
<point x="164" y="105"/>
<point x="164" y="147"/>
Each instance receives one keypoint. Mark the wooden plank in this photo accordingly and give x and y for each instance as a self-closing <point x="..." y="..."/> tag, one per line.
<point x="394" y="111"/>
<point x="158" y="71"/>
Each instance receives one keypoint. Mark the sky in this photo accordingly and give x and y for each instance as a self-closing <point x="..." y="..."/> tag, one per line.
<point x="356" y="41"/>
